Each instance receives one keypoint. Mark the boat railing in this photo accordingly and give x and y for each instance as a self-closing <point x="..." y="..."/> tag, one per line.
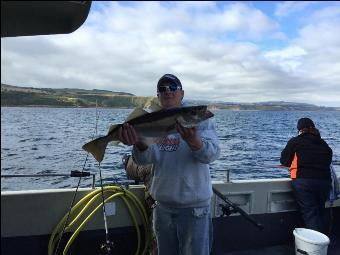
<point x="74" y="173"/>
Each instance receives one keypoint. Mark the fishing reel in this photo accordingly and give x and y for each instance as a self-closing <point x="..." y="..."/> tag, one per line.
<point x="226" y="210"/>
<point x="107" y="248"/>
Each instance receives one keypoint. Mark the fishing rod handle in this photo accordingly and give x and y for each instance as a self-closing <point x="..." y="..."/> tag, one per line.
<point x="238" y="209"/>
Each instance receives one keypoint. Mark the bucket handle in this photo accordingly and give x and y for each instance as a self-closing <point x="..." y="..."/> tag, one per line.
<point x="302" y="252"/>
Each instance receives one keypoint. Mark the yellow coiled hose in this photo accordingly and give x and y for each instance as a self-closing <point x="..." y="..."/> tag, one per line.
<point x="90" y="200"/>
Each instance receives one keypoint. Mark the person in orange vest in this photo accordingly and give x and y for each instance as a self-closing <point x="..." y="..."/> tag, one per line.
<point x="309" y="158"/>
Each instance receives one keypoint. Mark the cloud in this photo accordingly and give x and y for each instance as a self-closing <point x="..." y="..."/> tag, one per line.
<point x="289" y="59"/>
<point x="288" y="8"/>
<point x="316" y="49"/>
<point x="215" y="50"/>
<point x="251" y="22"/>
<point x="314" y="56"/>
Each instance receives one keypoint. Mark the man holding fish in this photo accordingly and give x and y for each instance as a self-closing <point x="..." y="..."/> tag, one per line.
<point x="181" y="184"/>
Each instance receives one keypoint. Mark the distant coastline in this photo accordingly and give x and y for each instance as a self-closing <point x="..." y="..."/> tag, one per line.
<point x="15" y="96"/>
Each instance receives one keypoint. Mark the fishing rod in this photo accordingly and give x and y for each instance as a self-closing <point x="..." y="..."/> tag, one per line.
<point x="227" y="211"/>
<point x="79" y="174"/>
<point x="74" y="173"/>
<point x="107" y="247"/>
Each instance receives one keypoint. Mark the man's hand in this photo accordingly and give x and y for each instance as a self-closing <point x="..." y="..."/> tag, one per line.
<point x="190" y="136"/>
<point x="127" y="135"/>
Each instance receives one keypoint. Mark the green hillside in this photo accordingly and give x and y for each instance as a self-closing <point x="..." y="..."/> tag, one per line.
<point x="28" y="96"/>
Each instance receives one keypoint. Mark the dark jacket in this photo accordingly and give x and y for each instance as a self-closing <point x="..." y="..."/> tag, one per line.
<point x="308" y="156"/>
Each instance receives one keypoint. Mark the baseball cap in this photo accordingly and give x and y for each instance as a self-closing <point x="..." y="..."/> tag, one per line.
<point x="169" y="79"/>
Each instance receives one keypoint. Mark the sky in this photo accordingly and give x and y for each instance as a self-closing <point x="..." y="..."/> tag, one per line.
<point x="221" y="51"/>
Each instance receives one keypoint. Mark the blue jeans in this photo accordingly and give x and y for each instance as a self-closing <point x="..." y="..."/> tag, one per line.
<point x="311" y="195"/>
<point x="183" y="231"/>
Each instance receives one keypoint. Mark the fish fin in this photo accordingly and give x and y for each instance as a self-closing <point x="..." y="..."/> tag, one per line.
<point x="121" y="145"/>
<point x="136" y="113"/>
<point x="97" y="147"/>
<point x="155" y="107"/>
<point x="152" y="104"/>
<point x="117" y="143"/>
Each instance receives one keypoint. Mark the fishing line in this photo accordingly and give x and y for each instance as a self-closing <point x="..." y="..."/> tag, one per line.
<point x="76" y="191"/>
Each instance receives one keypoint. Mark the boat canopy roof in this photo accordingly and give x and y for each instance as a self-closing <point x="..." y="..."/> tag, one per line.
<point x="28" y="18"/>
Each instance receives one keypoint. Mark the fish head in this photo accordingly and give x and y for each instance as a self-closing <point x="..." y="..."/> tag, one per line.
<point x="191" y="116"/>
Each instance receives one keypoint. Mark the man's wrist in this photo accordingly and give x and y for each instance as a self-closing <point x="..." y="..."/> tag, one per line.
<point x="196" y="144"/>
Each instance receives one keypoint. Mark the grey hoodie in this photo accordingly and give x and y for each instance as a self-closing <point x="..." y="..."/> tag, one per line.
<point x="181" y="176"/>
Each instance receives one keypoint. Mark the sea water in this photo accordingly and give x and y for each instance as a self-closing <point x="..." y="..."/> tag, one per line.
<point x="41" y="140"/>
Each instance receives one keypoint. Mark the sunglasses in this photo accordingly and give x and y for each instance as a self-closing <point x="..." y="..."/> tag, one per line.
<point x="167" y="88"/>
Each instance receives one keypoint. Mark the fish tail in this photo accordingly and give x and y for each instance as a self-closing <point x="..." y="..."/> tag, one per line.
<point x="97" y="147"/>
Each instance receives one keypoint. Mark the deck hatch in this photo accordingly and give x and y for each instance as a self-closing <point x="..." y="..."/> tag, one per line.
<point x="281" y="201"/>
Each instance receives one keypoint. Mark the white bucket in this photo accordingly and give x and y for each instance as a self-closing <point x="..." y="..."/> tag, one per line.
<point x="310" y="242"/>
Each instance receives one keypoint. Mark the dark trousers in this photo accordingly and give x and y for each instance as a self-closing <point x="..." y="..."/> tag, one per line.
<point x="311" y="195"/>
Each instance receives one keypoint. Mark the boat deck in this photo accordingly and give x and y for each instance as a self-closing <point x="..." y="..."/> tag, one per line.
<point x="273" y="250"/>
<point x="289" y="249"/>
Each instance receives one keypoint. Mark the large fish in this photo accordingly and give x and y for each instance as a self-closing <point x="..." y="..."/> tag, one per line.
<point x="150" y="126"/>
